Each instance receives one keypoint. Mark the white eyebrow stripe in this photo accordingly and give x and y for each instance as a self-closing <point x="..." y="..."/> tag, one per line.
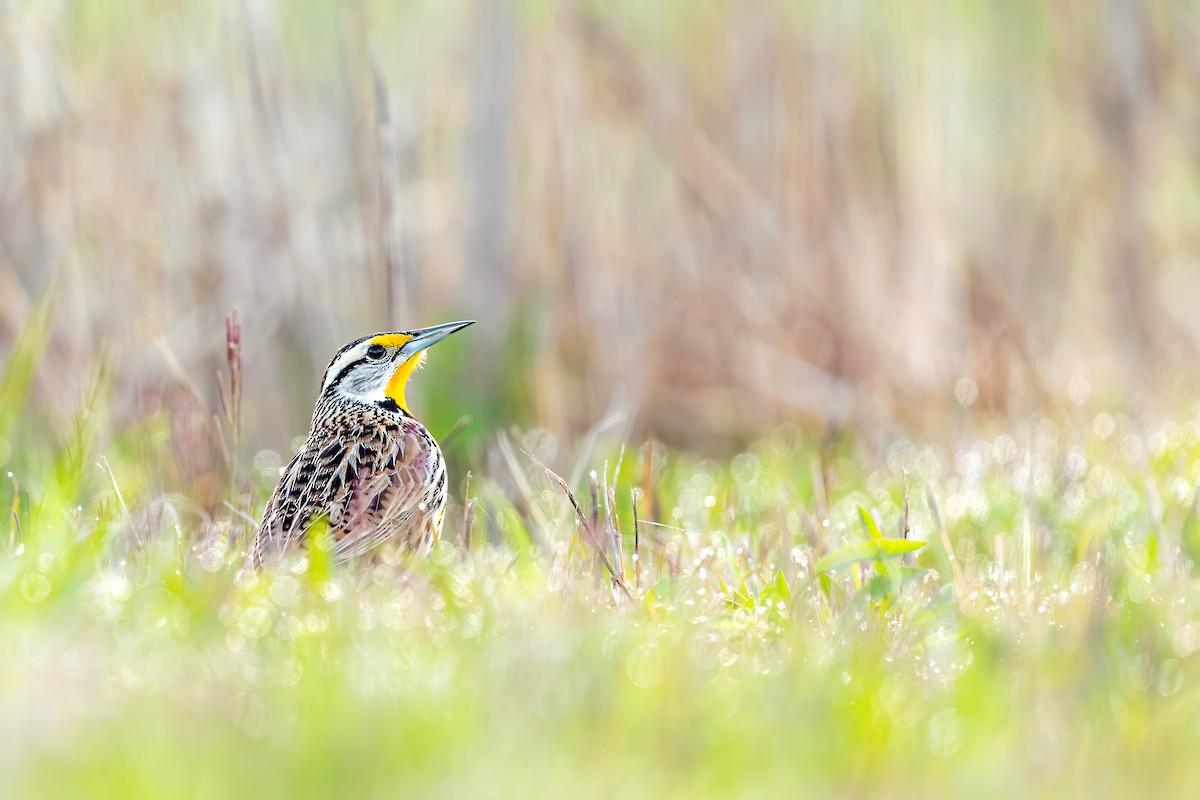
<point x="348" y="356"/>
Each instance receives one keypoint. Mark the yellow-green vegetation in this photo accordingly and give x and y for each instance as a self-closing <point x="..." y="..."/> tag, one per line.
<point x="862" y="334"/>
<point x="781" y="634"/>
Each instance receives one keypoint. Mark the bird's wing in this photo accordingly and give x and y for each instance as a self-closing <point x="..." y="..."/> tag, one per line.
<point x="300" y="498"/>
<point x="389" y="502"/>
<point x="276" y="515"/>
<point x="371" y="486"/>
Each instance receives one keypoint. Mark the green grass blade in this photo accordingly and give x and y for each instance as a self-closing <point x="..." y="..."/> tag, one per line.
<point x="866" y="551"/>
<point x="868" y="522"/>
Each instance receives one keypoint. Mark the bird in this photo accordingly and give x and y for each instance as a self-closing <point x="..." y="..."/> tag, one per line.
<point x="368" y="473"/>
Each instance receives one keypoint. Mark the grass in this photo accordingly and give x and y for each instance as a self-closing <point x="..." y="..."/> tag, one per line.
<point x="780" y="637"/>
<point x="880" y="275"/>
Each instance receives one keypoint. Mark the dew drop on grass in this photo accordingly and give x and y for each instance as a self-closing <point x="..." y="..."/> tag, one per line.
<point x="1133" y="450"/>
<point x="35" y="587"/>
<point x="1138" y="673"/>
<point x="1083" y="578"/>
<point x="944" y="733"/>
<point x="1005" y="450"/>
<point x="966" y="392"/>
<point x="284" y="591"/>
<point x="288" y="672"/>
<point x="211" y="553"/>
<point x="971" y="603"/>
<point x="1138" y="588"/>
<point x="745" y="468"/>
<point x="268" y="464"/>
<point x="1186" y="639"/>
<point x="109" y="591"/>
<point x="367" y="617"/>
<point x="1079" y="390"/>
<point x="149" y="664"/>
<point x="1075" y="464"/>
<point x="316" y="622"/>
<point x="1170" y="677"/>
<point x="254" y="622"/>
<point x="646" y="666"/>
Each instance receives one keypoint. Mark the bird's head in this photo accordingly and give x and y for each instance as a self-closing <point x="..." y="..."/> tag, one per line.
<point x="375" y="369"/>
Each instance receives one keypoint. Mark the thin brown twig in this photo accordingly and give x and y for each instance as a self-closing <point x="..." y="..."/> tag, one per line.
<point x="637" y="572"/>
<point x="14" y="533"/>
<point x="614" y="519"/>
<point x="614" y="529"/>
<point x="594" y="487"/>
<point x="591" y="534"/>
<point x="539" y="526"/>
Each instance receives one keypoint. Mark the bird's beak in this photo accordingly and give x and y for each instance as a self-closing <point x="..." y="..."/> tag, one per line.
<point x="427" y="337"/>
<point x="412" y="354"/>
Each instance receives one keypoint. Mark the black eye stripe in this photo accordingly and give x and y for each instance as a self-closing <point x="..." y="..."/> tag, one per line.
<point x="345" y="370"/>
<point x="375" y="353"/>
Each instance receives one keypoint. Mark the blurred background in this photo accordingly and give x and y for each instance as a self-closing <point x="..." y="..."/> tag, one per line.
<point x="754" y="263"/>
<point x="710" y="218"/>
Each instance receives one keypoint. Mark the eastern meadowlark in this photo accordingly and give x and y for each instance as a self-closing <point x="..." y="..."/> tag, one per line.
<point x="368" y="470"/>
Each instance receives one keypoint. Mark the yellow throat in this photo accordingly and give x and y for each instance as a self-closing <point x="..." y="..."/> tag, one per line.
<point x="414" y="343"/>
<point x="399" y="380"/>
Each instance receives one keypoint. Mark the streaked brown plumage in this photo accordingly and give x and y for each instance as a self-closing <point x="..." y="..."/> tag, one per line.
<point x="368" y="469"/>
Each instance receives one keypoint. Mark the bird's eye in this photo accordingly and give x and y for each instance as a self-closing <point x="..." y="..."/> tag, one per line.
<point x="376" y="352"/>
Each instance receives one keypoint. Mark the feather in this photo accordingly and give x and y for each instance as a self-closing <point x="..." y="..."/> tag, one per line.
<point x="376" y="476"/>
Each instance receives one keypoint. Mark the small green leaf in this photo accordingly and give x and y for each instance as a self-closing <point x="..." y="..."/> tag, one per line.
<point x="732" y="599"/>
<point x="866" y="551"/>
<point x="869" y="523"/>
<point x="781" y="586"/>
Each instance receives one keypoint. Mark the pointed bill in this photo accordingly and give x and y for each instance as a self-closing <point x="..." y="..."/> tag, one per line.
<point x="427" y="337"/>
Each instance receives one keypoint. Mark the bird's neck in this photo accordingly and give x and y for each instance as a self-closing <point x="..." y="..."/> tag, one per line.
<point x="332" y="411"/>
